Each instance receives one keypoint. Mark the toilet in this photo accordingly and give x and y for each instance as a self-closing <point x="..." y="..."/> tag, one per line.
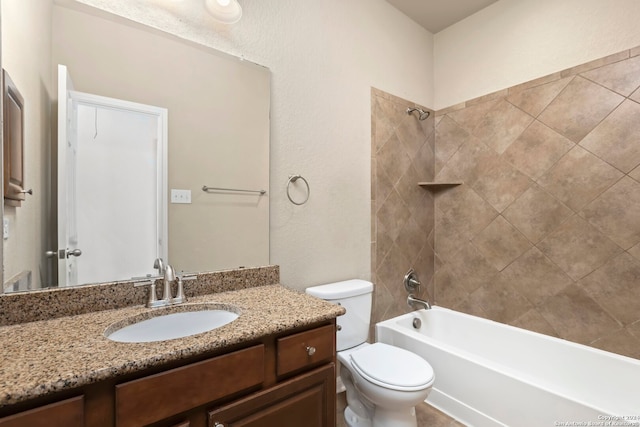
<point x="383" y="383"/>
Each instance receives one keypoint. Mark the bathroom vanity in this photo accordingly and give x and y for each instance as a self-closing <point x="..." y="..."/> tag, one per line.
<point x="274" y="365"/>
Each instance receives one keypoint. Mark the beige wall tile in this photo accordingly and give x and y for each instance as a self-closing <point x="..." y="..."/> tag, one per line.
<point x="537" y="149"/>
<point x="579" y="108"/>
<point x="501" y="185"/>
<point x="469" y="213"/>
<point x="635" y="251"/>
<point x="449" y="137"/>
<point x="470" y="117"/>
<point x="500" y="243"/>
<point x="535" y="99"/>
<point x="533" y="321"/>
<point x="482" y="264"/>
<point x="470" y="161"/>
<point x="502" y="125"/>
<point x="616" y="139"/>
<point x="635" y="174"/>
<point x="536" y="213"/>
<point x="578" y="178"/>
<point x="403" y="212"/>
<point x="615" y="287"/>
<point x="578" y="248"/>
<point x="500" y="301"/>
<point x="616" y="213"/>
<point x="622" y="77"/>
<point x="536" y="277"/>
<point x="576" y="316"/>
<point x="393" y="159"/>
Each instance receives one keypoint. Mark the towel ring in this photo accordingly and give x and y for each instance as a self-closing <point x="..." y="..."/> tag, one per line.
<point x="294" y="178"/>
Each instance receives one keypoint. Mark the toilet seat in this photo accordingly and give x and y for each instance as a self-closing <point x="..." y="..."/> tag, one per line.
<point x="392" y="367"/>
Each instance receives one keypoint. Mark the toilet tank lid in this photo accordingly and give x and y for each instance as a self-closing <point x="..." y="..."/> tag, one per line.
<point x="339" y="290"/>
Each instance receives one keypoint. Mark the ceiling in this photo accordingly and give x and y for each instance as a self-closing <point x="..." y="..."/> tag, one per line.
<point x="436" y="15"/>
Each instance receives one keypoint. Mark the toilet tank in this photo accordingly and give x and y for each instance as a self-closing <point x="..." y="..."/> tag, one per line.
<point x="355" y="296"/>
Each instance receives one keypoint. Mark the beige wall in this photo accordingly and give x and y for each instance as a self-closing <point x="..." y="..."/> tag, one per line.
<point x="324" y="55"/>
<point x="26" y="55"/>
<point x="544" y="233"/>
<point x="514" y="41"/>
<point x="218" y="130"/>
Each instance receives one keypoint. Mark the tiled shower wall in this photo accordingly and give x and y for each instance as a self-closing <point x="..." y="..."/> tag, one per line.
<point x="402" y="213"/>
<point x="544" y="232"/>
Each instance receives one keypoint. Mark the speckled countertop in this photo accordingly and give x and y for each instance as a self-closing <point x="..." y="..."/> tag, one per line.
<point x="43" y="357"/>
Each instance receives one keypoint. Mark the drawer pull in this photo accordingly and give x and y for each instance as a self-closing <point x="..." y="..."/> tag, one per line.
<point x="217" y="424"/>
<point x="311" y="350"/>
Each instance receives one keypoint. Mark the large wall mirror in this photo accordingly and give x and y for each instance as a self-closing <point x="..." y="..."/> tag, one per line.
<point x="217" y="135"/>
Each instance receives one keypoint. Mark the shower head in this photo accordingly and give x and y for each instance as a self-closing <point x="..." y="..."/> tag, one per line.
<point x="422" y="114"/>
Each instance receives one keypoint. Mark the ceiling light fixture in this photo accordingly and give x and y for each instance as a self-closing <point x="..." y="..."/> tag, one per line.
<point x="225" y="11"/>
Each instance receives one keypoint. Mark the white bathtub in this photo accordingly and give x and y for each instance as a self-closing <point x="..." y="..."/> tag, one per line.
<point x="490" y="374"/>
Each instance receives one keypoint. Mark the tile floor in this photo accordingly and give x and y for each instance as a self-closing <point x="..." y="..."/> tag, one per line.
<point x="428" y="416"/>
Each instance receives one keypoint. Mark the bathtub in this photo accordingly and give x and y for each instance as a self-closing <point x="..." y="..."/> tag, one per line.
<point x="491" y="374"/>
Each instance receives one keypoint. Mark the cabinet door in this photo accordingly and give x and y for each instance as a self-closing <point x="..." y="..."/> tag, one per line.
<point x="307" y="400"/>
<point x="67" y="413"/>
<point x="161" y="396"/>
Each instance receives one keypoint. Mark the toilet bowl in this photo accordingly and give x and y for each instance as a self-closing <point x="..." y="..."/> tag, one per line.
<point x="383" y="383"/>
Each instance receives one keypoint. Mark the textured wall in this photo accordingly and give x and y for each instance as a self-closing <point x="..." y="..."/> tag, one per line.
<point x="402" y="154"/>
<point x="514" y="41"/>
<point x="545" y="231"/>
<point x="26" y="55"/>
<point x="324" y="55"/>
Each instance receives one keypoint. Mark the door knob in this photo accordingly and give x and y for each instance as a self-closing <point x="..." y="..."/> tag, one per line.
<point x="75" y="252"/>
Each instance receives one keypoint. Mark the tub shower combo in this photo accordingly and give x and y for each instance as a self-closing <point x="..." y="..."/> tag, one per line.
<point x="491" y="374"/>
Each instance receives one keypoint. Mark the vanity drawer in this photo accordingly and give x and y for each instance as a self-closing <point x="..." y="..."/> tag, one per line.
<point x="156" y="397"/>
<point x="305" y="349"/>
<point x="67" y="413"/>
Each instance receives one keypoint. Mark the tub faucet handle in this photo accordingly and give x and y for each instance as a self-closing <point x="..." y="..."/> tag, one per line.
<point x="411" y="281"/>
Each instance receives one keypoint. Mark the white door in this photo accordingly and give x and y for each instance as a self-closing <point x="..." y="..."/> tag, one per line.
<point x="112" y="184"/>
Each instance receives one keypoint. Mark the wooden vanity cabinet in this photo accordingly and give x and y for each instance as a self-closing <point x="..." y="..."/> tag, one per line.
<point x="66" y="413"/>
<point x="156" y="397"/>
<point x="307" y="400"/>
<point x="285" y="380"/>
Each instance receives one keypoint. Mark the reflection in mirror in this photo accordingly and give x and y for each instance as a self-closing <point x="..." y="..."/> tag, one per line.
<point x="213" y="140"/>
<point x="115" y="156"/>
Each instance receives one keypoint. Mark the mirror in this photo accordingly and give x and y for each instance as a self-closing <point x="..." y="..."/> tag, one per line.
<point x="218" y="136"/>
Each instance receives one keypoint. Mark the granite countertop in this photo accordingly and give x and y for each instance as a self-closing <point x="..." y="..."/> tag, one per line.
<point x="43" y="357"/>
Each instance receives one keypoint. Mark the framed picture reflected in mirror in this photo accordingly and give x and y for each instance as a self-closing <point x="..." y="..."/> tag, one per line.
<point x="13" y="137"/>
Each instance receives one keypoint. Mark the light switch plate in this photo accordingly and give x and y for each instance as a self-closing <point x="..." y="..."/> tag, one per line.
<point x="180" y="196"/>
<point x="5" y="228"/>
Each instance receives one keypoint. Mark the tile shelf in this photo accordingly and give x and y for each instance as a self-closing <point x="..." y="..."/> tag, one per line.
<point x="436" y="186"/>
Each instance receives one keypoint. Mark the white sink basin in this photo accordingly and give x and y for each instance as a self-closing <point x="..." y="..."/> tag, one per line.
<point x="170" y="326"/>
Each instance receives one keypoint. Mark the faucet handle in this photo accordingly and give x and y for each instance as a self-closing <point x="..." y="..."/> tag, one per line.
<point x="152" y="300"/>
<point x="411" y="281"/>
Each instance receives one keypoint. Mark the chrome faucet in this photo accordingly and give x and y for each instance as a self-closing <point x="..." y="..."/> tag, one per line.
<point x="158" y="264"/>
<point x="168" y="276"/>
<point x="412" y="284"/>
<point x="413" y="301"/>
<point x="167" y="280"/>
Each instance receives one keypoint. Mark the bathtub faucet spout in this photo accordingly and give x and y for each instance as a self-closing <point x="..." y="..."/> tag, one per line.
<point x="412" y="301"/>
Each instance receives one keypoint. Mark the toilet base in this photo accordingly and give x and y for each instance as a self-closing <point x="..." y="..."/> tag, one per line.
<point x="382" y="418"/>
<point x="394" y="418"/>
<point x="354" y="420"/>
